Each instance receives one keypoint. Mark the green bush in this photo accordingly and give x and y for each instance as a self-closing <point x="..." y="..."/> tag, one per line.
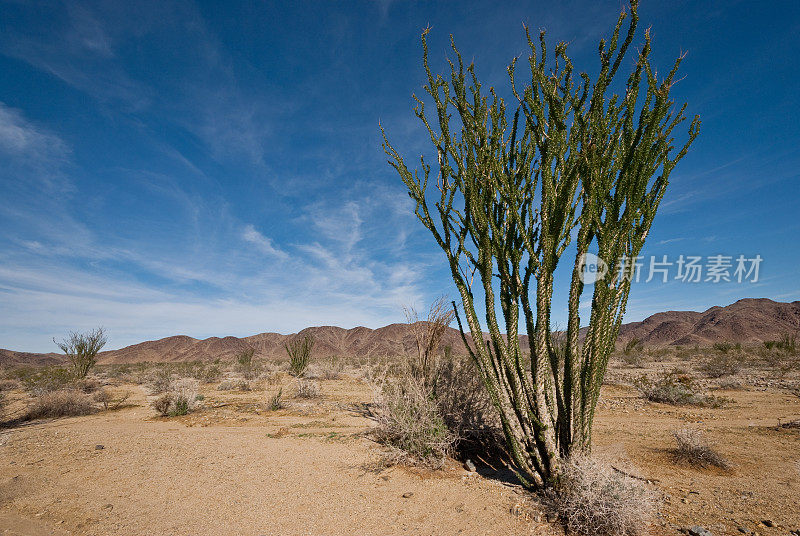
<point x="676" y="390"/>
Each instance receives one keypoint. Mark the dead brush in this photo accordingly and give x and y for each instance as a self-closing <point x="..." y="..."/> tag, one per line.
<point x="692" y="448"/>
<point x="61" y="403"/>
<point x="307" y="389"/>
<point x="595" y="500"/>
<point x="410" y="424"/>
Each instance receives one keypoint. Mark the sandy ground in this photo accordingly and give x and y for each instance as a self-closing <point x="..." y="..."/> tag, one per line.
<point x="234" y="468"/>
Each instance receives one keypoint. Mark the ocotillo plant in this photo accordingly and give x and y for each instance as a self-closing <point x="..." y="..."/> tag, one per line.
<point x="82" y="349"/>
<point x="573" y="166"/>
<point x="299" y="354"/>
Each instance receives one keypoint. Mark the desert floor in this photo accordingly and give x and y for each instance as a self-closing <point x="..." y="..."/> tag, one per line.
<point x="233" y="467"/>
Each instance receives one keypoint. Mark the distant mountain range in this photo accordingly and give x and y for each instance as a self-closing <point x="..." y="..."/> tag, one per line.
<point x="746" y="321"/>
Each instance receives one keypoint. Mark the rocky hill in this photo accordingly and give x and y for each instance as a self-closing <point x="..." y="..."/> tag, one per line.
<point x="746" y="321"/>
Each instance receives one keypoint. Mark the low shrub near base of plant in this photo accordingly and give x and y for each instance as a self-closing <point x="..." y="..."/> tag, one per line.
<point x="180" y="399"/>
<point x="595" y="500"/>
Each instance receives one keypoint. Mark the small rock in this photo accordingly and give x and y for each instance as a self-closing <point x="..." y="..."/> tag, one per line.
<point x="699" y="531"/>
<point x="108" y="506"/>
<point x="469" y="466"/>
<point x="408" y="494"/>
<point x="99" y="447"/>
<point x="743" y="530"/>
<point x="767" y="523"/>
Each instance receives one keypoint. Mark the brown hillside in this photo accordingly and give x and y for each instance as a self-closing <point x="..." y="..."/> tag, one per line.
<point x="746" y="321"/>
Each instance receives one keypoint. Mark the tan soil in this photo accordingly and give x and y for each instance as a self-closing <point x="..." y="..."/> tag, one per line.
<point x="234" y="468"/>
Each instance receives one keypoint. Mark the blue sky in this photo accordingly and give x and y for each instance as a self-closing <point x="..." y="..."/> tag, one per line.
<point x="216" y="169"/>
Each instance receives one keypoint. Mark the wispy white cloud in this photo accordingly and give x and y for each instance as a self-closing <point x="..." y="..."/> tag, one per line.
<point x="264" y="244"/>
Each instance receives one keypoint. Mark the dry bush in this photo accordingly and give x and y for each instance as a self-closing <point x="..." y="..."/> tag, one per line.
<point x="635" y="360"/>
<point x="103" y="396"/>
<point x="693" y="448"/>
<point x="409" y="421"/>
<point x="87" y="385"/>
<point x="234" y="385"/>
<point x="210" y="374"/>
<point x="307" y="389"/>
<point x="40" y="380"/>
<point x="180" y="398"/>
<point x="428" y="336"/>
<point x="723" y="364"/>
<point x="677" y="390"/>
<point x="464" y="404"/>
<point x="160" y="380"/>
<point x="328" y="371"/>
<point x="62" y="403"/>
<point x="595" y="500"/>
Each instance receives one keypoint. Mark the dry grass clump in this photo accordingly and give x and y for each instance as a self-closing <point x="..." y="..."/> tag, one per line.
<point x="61" y="403"/>
<point x="180" y="398"/>
<point x="307" y="389"/>
<point x="595" y="500"/>
<point x="693" y="448"/>
<point x="677" y="390"/>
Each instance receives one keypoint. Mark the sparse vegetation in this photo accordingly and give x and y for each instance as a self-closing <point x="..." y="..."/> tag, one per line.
<point x="722" y="364"/>
<point x="307" y="389"/>
<point x="234" y="385"/>
<point x="61" y="403"/>
<point x="82" y="349"/>
<point x="179" y="399"/>
<point x="409" y="421"/>
<point x="595" y="500"/>
<point x="299" y="352"/>
<point x="276" y="401"/>
<point x="675" y="389"/>
<point x="633" y="344"/>
<point x="693" y="448"/>
<point x="245" y="364"/>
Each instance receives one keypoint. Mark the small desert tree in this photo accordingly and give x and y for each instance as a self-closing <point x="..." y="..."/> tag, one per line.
<point x="573" y="167"/>
<point x="82" y="349"/>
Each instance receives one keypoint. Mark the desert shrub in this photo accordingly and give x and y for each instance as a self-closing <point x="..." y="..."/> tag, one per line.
<point x="61" y="403"/>
<point x="633" y="344"/>
<point x="160" y="380"/>
<point x="633" y="360"/>
<point x="675" y="389"/>
<point x="104" y="397"/>
<point x="276" y="401"/>
<point x="332" y="370"/>
<point x="409" y="421"/>
<point x="163" y="404"/>
<point x="725" y="347"/>
<point x="693" y="448"/>
<point x="179" y="399"/>
<point x="464" y="403"/>
<point x="595" y="500"/>
<point x="210" y="374"/>
<point x="45" y="379"/>
<point x="87" y="385"/>
<point x="307" y="389"/>
<point x="234" y="385"/>
<point x="720" y="365"/>
<point x="299" y="354"/>
<point x="81" y="350"/>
